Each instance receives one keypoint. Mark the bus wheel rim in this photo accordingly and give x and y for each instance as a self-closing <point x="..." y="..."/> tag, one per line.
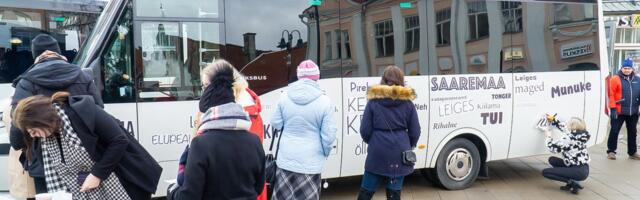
<point x="459" y="164"/>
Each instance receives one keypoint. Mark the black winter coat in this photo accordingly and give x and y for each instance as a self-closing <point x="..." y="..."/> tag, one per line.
<point x="45" y="78"/>
<point x="223" y="164"/>
<point x="113" y="149"/>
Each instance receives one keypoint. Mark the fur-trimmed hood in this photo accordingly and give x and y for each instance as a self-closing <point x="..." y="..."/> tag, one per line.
<point x="391" y="92"/>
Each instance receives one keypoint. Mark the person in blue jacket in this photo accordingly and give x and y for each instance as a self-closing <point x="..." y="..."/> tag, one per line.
<point x="624" y="102"/>
<point x="306" y="116"/>
<point x="390" y="127"/>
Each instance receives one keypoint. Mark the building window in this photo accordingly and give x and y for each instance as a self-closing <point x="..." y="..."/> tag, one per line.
<point x="627" y="35"/>
<point x="562" y="13"/>
<point x="443" y="24"/>
<point x="328" y="53"/>
<point x="512" y="16"/>
<point x="478" y="20"/>
<point x="384" y="38"/>
<point x="588" y="11"/>
<point x="338" y="34"/>
<point x="412" y="33"/>
<point x="347" y="44"/>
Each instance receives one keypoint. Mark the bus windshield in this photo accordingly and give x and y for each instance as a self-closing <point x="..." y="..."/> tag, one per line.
<point x="99" y="31"/>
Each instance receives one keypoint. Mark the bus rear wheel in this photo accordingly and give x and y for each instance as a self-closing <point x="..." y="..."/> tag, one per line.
<point x="458" y="165"/>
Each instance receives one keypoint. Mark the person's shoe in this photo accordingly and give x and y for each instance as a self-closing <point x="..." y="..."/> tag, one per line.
<point x="573" y="186"/>
<point x="365" y="194"/>
<point x="635" y="156"/>
<point x="611" y="156"/>
<point x="567" y="187"/>
<point x="393" y="194"/>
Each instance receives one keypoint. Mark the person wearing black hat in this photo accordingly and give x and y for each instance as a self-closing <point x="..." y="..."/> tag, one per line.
<point x="49" y="74"/>
<point x="225" y="160"/>
<point x="624" y="101"/>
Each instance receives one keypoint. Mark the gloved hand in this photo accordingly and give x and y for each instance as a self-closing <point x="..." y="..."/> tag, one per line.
<point x="613" y="113"/>
<point x="172" y="188"/>
<point x="543" y="125"/>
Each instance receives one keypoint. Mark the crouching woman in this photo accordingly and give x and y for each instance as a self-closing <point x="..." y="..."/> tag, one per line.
<point x="574" y="164"/>
<point x="85" y="151"/>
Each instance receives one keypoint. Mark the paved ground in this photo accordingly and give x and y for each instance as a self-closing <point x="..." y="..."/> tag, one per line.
<point x="516" y="179"/>
<point x="521" y="179"/>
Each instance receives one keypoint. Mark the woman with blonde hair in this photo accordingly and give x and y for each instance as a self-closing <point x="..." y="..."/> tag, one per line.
<point x="243" y="96"/>
<point x="574" y="164"/>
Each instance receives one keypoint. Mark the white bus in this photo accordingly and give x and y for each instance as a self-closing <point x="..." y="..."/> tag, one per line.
<point x="484" y="71"/>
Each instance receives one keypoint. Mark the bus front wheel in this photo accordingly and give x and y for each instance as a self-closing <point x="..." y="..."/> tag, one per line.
<point x="458" y="164"/>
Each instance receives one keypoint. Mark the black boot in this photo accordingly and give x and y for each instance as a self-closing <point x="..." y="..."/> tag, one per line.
<point x="393" y="194"/>
<point x="365" y="194"/>
<point x="572" y="186"/>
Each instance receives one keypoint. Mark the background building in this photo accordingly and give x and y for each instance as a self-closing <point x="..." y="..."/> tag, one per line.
<point x="455" y="37"/>
<point x="623" y="34"/>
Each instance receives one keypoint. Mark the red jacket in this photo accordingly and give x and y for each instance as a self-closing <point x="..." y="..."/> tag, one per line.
<point x="615" y="92"/>
<point x="254" y="114"/>
<point x="256" y="127"/>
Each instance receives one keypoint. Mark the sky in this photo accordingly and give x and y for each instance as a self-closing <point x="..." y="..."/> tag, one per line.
<point x="266" y="18"/>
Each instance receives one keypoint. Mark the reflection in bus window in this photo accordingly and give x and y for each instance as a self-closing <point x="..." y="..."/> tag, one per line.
<point x="203" y="47"/>
<point x="270" y="38"/>
<point x="183" y="9"/>
<point x="19" y="26"/>
<point x="117" y="64"/>
<point x="569" y="35"/>
<point x="172" y="56"/>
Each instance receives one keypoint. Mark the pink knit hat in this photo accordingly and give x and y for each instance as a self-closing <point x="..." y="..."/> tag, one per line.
<point x="308" y="69"/>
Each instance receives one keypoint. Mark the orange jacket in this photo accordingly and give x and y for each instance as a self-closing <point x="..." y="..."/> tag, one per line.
<point x="615" y="92"/>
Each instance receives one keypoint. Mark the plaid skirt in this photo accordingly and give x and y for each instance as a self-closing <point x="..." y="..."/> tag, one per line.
<point x="291" y="185"/>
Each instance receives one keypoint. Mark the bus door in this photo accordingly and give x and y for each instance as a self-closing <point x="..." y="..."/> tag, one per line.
<point x="171" y="46"/>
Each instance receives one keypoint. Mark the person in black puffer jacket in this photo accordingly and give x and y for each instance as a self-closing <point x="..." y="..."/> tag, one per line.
<point x="574" y="164"/>
<point x="49" y="74"/>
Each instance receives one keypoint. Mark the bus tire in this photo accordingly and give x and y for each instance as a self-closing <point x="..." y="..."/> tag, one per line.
<point x="458" y="164"/>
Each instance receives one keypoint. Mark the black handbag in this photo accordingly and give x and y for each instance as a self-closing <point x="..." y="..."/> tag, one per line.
<point x="270" y="159"/>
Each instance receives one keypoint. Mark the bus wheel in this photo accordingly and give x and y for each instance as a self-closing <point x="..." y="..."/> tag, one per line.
<point x="458" y="164"/>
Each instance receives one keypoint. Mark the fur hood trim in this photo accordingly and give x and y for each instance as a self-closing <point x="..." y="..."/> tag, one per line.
<point x="391" y="92"/>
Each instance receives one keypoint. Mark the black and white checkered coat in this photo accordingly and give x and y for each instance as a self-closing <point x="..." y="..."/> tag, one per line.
<point x="65" y="158"/>
<point x="572" y="146"/>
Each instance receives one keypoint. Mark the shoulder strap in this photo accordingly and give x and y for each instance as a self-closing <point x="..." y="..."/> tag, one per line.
<point x="275" y="132"/>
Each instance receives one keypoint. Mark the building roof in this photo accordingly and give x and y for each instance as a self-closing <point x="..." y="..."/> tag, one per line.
<point x="85" y="6"/>
<point x="620" y="7"/>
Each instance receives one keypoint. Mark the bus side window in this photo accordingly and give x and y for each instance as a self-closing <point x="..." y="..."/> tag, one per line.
<point x="117" y="64"/>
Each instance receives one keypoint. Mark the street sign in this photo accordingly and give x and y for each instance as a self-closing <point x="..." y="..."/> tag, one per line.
<point x="405" y="5"/>
<point x="315" y="2"/>
<point x="58" y="18"/>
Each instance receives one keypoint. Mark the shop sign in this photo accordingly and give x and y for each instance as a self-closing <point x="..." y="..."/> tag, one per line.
<point x="513" y="54"/>
<point x="629" y="21"/>
<point x="576" y="49"/>
<point x="478" y="60"/>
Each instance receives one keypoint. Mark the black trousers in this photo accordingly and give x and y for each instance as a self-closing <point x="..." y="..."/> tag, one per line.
<point x="41" y="184"/>
<point x="616" y="124"/>
<point x="560" y="172"/>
